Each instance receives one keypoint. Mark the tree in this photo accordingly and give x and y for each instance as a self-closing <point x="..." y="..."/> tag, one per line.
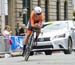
<point x="74" y="15"/>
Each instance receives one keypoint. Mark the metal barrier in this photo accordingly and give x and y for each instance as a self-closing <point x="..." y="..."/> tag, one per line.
<point x="17" y="44"/>
<point x="2" y="45"/>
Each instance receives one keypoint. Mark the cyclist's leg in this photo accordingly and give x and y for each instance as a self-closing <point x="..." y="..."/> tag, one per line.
<point x="26" y="40"/>
<point x="37" y="34"/>
<point x="29" y="32"/>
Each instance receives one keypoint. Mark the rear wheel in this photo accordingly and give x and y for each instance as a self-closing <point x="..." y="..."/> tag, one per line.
<point x="69" y="51"/>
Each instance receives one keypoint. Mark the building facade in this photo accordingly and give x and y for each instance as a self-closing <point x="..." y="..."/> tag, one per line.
<point x="19" y="10"/>
<point x="53" y="9"/>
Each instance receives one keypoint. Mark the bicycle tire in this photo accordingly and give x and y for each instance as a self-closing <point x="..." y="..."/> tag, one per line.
<point x="29" y="47"/>
<point x="27" y="54"/>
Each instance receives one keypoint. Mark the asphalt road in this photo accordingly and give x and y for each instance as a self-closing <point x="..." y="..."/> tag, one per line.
<point x="54" y="59"/>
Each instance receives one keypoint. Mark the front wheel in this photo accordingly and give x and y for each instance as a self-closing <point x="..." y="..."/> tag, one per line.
<point x="69" y="51"/>
<point x="27" y="53"/>
<point x="28" y="47"/>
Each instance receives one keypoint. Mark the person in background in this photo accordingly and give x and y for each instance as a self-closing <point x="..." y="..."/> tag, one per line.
<point x="22" y="30"/>
<point x="17" y="29"/>
<point x="6" y="34"/>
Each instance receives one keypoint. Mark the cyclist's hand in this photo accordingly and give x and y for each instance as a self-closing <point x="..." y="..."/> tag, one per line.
<point x="40" y="24"/>
<point x="37" y="25"/>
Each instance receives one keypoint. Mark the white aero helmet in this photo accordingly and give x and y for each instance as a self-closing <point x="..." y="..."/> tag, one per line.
<point x="37" y="10"/>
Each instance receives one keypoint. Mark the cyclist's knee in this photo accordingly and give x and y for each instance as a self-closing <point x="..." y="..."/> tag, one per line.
<point x="27" y="37"/>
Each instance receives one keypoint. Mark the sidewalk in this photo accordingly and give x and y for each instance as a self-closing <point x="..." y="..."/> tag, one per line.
<point x="13" y="54"/>
<point x="16" y="54"/>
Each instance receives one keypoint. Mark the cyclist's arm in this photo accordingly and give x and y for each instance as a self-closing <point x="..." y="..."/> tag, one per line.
<point x="42" y="19"/>
<point x="32" y="19"/>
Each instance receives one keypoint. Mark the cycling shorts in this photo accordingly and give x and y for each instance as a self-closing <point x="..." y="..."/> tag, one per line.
<point x="30" y="28"/>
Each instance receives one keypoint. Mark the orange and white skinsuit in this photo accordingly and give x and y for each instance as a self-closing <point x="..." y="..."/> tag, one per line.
<point x="34" y="18"/>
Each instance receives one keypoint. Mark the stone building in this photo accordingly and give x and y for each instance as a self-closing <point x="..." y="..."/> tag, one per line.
<point x="53" y="9"/>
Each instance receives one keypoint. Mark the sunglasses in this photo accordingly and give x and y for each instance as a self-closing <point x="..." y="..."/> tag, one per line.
<point x="38" y="13"/>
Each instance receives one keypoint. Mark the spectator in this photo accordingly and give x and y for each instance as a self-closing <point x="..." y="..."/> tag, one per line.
<point x="22" y="30"/>
<point x="7" y="33"/>
<point x="17" y="29"/>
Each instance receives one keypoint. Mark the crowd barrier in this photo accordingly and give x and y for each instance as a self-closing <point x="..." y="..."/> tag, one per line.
<point x="17" y="44"/>
<point x="2" y="45"/>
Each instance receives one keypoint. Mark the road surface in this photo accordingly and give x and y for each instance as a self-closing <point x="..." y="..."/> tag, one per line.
<point x="54" y="59"/>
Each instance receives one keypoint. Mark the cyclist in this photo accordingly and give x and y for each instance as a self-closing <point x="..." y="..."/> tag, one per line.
<point x="36" y="19"/>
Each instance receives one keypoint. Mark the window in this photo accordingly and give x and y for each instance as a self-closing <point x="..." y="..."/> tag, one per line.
<point x="46" y="10"/>
<point x="26" y="4"/>
<point x="58" y="9"/>
<point x="28" y="8"/>
<point x="39" y="2"/>
<point x="65" y="10"/>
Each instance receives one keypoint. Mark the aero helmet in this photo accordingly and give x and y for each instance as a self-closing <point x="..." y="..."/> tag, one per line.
<point x="37" y="10"/>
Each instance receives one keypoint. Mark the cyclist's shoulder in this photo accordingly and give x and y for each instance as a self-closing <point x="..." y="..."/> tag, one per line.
<point x="43" y="14"/>
<point x="32" y="12"/>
